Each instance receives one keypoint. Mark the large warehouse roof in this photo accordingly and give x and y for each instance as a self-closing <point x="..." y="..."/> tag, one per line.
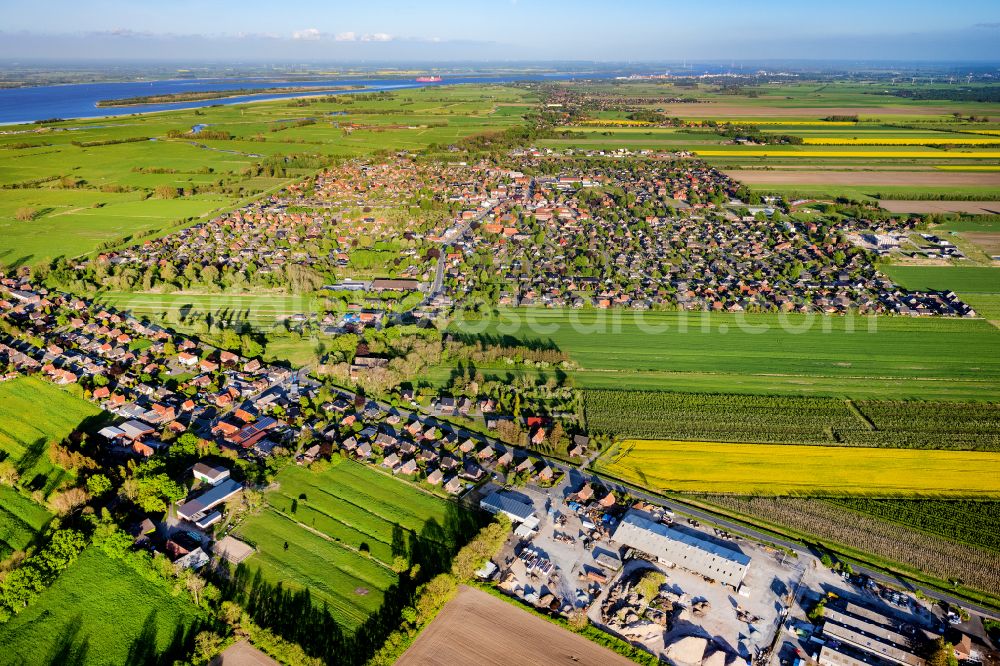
<point x="209" y="499"/>
<point x="684" y="549"/>
<point x="516" y="510"/>
<point x="871" y="644"/>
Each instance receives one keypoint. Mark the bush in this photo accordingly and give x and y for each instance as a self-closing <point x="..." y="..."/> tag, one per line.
<point x="23" y="584"/>
<point x="26" y="214"/>
<point x="166" y="192"/>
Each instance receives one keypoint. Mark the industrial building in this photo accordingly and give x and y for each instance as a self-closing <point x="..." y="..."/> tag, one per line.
<point x="863" y="634"/>
<point x="515" y="509"/>
<point x="687" y="550"/>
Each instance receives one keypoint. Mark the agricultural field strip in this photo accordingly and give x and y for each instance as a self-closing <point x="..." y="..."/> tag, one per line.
<point x="775" y="469"/>
<point x="338" y="528"/>
<point x="793" y="420"/>
<point x="865" y="536"/>
<point x="309" y="560"/>
<point x="344" y="507"/>
<point x="340" y="604"/>
<point x="898" y="154"/>
<point x="973" y="522"/>
<point x="823" y="346"/>
<point x="976" y="279"/>
<point x="370" y="495"/>
<point x="353" y="510"/>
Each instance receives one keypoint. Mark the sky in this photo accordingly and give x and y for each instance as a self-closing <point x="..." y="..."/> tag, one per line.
<point x="514" y="30"/>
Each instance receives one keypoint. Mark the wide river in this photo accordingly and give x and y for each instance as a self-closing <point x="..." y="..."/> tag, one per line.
<point x="23" y="105"/>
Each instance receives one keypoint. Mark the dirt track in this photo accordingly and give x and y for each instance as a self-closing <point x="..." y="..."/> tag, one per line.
<point x="476" y="628"/>
<point x="714" y="109"/>
<point x="974" y="207"/>
<point x="823" y="177"/>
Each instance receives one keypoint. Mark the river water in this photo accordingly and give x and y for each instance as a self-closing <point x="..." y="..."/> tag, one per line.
<point x="21" y="105"/>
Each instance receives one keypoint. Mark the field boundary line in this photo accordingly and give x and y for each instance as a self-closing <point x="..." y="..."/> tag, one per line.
<point x="854" y="409"/>
<point x="330" y="539"/>
<point x="333" y="518"/>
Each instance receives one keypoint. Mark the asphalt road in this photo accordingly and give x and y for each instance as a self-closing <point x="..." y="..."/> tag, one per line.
<point x="446" y="243"/>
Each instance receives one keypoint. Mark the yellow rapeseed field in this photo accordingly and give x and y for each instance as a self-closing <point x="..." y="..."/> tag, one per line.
<point x="818" y="123"/>
<point x="900" y="154"/>
<point x="908" y="141"/>
<point x="615" y="121"/>
<point x="778" y="469"/>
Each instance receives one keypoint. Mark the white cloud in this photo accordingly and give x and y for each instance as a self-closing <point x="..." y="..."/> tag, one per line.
<point x="346" y="36"/>
<point x="309" y="34"/>
<point x="377" y="37"/>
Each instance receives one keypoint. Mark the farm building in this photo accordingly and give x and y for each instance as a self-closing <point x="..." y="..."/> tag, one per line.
<point x="136" y="429"/>
<point x="210" y="474"/>
<point x="381" y="284"/>
<point x="828" y="656"/>
<point x="685" y="549"/>
<point x="515" y="509"/>
<point x="863" y="634"/>
<point x="349" y="285"/>
<point x="203" y="504"/>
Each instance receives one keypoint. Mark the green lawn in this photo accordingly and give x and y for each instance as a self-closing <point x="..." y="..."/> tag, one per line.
<point x="34" y="413"/>
<point x="100" y="612"/>
<point x="343" y="528"/>
<point x="884" y="357"/>
<point x="20" y="520"/>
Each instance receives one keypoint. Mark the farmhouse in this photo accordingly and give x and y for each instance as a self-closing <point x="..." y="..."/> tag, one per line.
<point x="685" y="549"/>
<point x="515" y="509"/>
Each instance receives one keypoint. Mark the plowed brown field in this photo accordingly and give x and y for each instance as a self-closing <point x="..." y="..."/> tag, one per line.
<point x="476" y="628"/>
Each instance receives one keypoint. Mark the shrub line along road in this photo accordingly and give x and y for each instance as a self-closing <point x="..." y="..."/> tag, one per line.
<point x="701" y="514"/>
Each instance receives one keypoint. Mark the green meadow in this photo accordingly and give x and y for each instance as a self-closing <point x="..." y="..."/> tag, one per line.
<point x="20" y="520"/>
<point x="884" y="357"/>
<point x="338" y="533"/>
<point x="260" y="310"/>
<point x="34" y="413"/>
<point x="99" y="611"/>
